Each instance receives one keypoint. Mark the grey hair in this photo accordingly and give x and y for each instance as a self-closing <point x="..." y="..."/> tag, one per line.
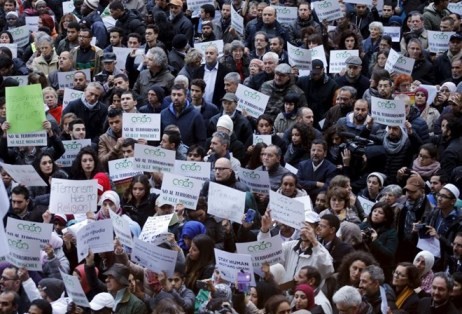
<point x="378" y="25"/>
<point x="181" y="79"/>
<point x="233" y="77"/>
<point x="376" y="273"/>
<point x="271" y="55"/>
<point x="159" y="56"/>
<point x="278" y="149"/>
<point x="394" y="189"/>
<point x="449" y="280"/>
<point x="348" y="296"/>
<point x="45" y="39"/>
<point x="237" y="44"/>
<point x="223" y="138"/>
<point x="96" y="85"/>
<point x="193" y="55"/>
<point x="353" y="91"/>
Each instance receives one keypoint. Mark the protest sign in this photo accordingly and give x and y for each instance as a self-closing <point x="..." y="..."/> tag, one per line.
<point x="4" y="247"/>
<point x="154" y="226"/>
<point x="32" y="22"/>
<point x="24" y="109"/>
<point x="432" y="92"/>
<point x="4" y="201"/>
<point x="24" y="253"/>
<point x="251" y="101"/>
<point x="338" y="58"/>
<point x="455" y="7"/>
<point x="257" y="138"/>
<point x="27" y="230"/>
<point x="96" y="236"/>
<point x="328" y="10"/>
<point x="318" y="53"/>
<point x="438" y="42"/>
<point x="72" y="149"/>
<point x="141" y="125"/>
<point x="229" y="264"/>
<point x="397" y="63"/>
<point x="225" y="202"/>
<point x="177" y="189"/>
<point x="394" y="32"/>
<point x="121" y="225"/>
<point x="154" y="257"/>
<point x="291" y="168"/>
<point x="193" y="169"/>
<point x="27" y="139"/>
<point x="365" y="204"/>
<point x="120" y="169"/>
<point x="203" y="46"/>
<point x="70" y="95"/>
<point x="366" y="2"/>
<point x="299" y="57"/>
<point x="306" y="201"/>
<point x="13" y="48"/>
<point x="258" y="181"/>
<point x="286" y="15"/>
<point x="20" y="35"/>
<point x="286" y="210"/>
<point x="122" y="53"/>
<point x="74" y="290"/>
<point x="66" y="79"/>
<point x="388" y="111"/>
<point x="431" y="245"/>
<point x="68" y="7"/>
<point x="24" y="174"/>
<point x="194" y="5"/>
<point x="73" y="196"/>
<point x="149" y="158"/>
<point x="237" y="21"/>
<point x="265" y="251"/>
<point x="21" y="79"/>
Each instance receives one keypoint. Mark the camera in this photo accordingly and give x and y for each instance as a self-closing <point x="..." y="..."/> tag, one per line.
<point x="367" y="234"/>
<point x="407" y="171"/>
<point x="101" y="78"/>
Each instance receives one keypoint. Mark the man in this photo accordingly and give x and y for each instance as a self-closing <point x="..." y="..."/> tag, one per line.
<point x="207" y="110"/>
<point x="456" y="18"/>
<point x="261" y="44"/>
<point x="77" y="129"/>
<point x="231" y="82"/>
<point x="157" y="73"/>
<point x="236" y="147"/>
<point x="207" y="33"/>
<point x="21" y="204"/>
<point x="154" y="101"/>
<point x="72" y="38"/>
<point x="315" y="173"/>
<point x="213" y="74"/>
<point x="160" y="6"/>
<point x="90" y="110"/>
<point x="241" y="125"/>
<point x="117" y="285"/>
<point x="206" y="14"/>
<point x="121" y="82"/>
<point x="65" y="65"/>
<point x="126" y="20"/>
<point x="171" y="140"/>
<point x="359" y="122"/>
<point x="440" y="300"/>
<point x="437" y="182"/>
<point x="128" y="147"/>
<point x="223" y="29"/>
<point x="319" y="89"/>
<point x="181" y="24"/>
<point x="116" y="35"/>
<point x="80" y="80"/>
<point x="348" y="300"/>
<point x="91" y="18"/>
<point x="353" y="76"/>
<point x="387" y="13"/>
<point x="455" y="262"/>
<point x="106" y="77"/>
<point x="456" y="71"/>
<point x="150" y="36"/>
<point x="271" y="162"/>
<point x="128" y="102"/>
<point x="87" y="56"/>
<point x="371" y="285"/>
<point x="219" y="148"/>
<point x="109" y="146"/>
<point x="304" y="19"/>
<point x="417" y="30"/>
<point x="176" y="56"/>
<point x="327" y="233"/>
<point x="433" y="13"/>
<point x="362" y="17"/>
<point x="381" y="86"/>
<point x="447" y="24"/>
<point x="182" y="114"/>
<point x="279" y="87"/>
<point x="346" y="97"/>
<point x="10" y="282"/>
<point x="133" y="64"/>
<point x="277" y="46"/>
<point x="451" y="131"/>
<point x="9" y="302"/>
<point x="270" y="62"/>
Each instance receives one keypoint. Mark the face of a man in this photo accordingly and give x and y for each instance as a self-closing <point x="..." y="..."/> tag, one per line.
<point x="175" y="10"/>
<point x="133" y="42"/>
<point x="112" y="284"/>
<point x="228" y="107"/>
<point x="457" y="247"/>
<point x="281" y="79"/>
<point x="269" y="15"/>
<point x="445" y="26"/>
<point x="387" y="11"/>
<point x="353" y="71"/>
<point x="360" y="111"/>
<point x="456" y="69"/>
<point x="19" y="203"/>
<point x="72" y="35"/>
<point x="367" y="286"/>
<point x="455" y="46"/>
<point x="317" y="153"/>
<point x="223" y="170"/>
<point x="304" y="12"/>
<point x="78" y="132"/>
<point x="116" y="13"/>
<point x="178" y="98"/>
<point x="115" y="39"/>
<point x="269" y="65"/>
<point x="84" y="39"/>
<point x="92" y="94"/>
<point x="275" y="45"/>
<point x="394" y="132"/>
<point x="384" y="89"/>
<point x="260" y="42"/>
<point x="361" y="9"/>
<point x="7" y="305"/>
<point x="226" y="11"/>
<point x="270" y="159"/>
<point x="128" y="151"/>
<point x="324" y="230"/>
<point x="115" y="124"/>
<point x="344" y="99"/>
<point x="9" y="280"/>
<point x="211" y="55"/>
<point x="196" y="93"/>
<point x="165" y="143"/>
<point x="217" y="147"/>
<point x="308" y="117"/>
<point x="120" y="83"/>
<point x="416" y="23"/>
<point x="435" y="184"/>
<point x="80" y="82"/>
<point x="127" y="102"/>
<point x="65" y="62"/>
<point x="440" y="292"/>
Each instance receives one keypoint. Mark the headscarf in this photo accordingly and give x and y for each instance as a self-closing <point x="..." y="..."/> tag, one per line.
<point x="309" y="292"/>
<point x="429" y="260"/>
<point x="190" y="230"/>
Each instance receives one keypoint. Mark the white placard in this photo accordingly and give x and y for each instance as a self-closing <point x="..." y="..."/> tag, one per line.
<point x="95" y="236"/>
<point x="193" y="169"/>
<point x="27" y="230"/>
<point x="397" y="63"/>
<point x="4" y="202"/>
<point x="72" y="147"/>
<point x="438" y="42"/>
<point x="265" y="251"/>
<point x="291" y="168"/>
<point x="286" y="210"/>
<point x="141" y="125"/>
<point x="21" y="79"/>
<point x="73" y="196"/>
<point x="122" y="53"/>
<point x="299" y="57"/>
<point x="32" y="23"/>
<point x="318" y="53"/>
<point x="338" y="58"/>
<point x="66" y="79"/>
<point x="328" y="10"/>
<point x="121" y="225"/>
<point x="230" y="264"/>
<point x="70" y="95"/>
<point x="4" y="247"/>
<point x="154" y="257"/>
<point x="431" y="245"/>
<point x="258" y="138"/>
<point x="237" y="21"/>
<point x="154" y="226"/>
<point x="149" y="158"/>
<point x="74" y="290"/>
<point x="13" y="48"/>
<point x="286" y="15"/>
<point x="194" y="5"/>
<point x="24" y="253"/>
<point x="455" y="7"/>
<point x="251" y="101"/>
<point x="225" y="202"/>
<point x="258" y="181"/>
<point x="38" y="138"/>
<point x="366" y="2"/>
<point x="306" y="201"/>
<point x="366" y="204"/>
<point x="177" y="189"/>
<point x="120" y="169"/>
<point x="388" y="111"/>
<point x="20" y="35"/>
<point x="24" y="174"/>
<point x="394" y="32"/>
<point x="68" y="7"/>
<point x="203" y="46"/>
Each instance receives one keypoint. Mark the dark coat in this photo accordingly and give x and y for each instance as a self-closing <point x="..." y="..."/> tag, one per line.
<point x="130" y="23"/>
<point x="451" y="157"/>
<point x="257" y="81"/>
<point x="182" y="25"/>
<point x="176" y="60"/>
<point x="338" y="249"/>
<point x="422" y="71"/>
<point x="219" y="83"/>
<point x="442" y="68"/>
<point x="308" y="177"/>
<point x="425" y="306"/>
<point x="361" y="85"/>
<point x="242" y="127"/>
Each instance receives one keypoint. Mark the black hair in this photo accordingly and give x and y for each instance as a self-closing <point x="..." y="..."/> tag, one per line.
<point x="112" y="113"/>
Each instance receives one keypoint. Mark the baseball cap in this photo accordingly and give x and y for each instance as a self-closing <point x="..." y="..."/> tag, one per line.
<point x="102" y="300"/>
<point x="455" y="36"/>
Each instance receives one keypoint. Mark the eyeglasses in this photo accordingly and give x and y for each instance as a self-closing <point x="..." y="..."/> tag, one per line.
<point x="444" y="196"/>
<point x="220" y="169"/>
<point x="457" y="245"/>
<point x="398" y="274"/>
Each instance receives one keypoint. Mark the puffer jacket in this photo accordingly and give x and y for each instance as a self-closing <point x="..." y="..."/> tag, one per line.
<point x="130" y="23"/>
<point x="296" y="34"/>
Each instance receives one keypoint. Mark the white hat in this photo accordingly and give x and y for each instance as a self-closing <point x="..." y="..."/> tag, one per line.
<point x="226" y="122"/>
<point x="382" y="177"/>
<point x="102" y="300"/>
<point x="453" y="189"/>
<point x="312" y="217"/>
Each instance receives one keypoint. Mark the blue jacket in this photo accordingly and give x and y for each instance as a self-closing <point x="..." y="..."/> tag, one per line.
<point x="308" y="177"/>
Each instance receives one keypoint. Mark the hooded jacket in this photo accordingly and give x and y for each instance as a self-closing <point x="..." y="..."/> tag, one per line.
<point x="432" y="18"/>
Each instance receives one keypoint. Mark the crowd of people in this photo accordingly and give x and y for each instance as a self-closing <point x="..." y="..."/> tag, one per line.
<point x="383" y="224"/>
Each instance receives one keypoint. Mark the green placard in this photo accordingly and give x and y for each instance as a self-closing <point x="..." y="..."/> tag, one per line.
<point x="25" y="108"/>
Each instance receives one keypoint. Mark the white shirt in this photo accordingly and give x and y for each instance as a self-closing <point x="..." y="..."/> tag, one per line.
<point x="210" y="77"/>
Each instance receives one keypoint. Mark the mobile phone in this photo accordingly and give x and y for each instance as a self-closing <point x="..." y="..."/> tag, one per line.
<point x="423" y="232"/>
<point x="200" y="284"/>
<point x="250" y="215"/>
<point x="243" y="281"/>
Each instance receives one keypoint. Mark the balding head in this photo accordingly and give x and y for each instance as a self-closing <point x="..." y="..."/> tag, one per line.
<point x="269" y="15"/>
<point x="65" y="61"/>
<point x="223" y="170"/>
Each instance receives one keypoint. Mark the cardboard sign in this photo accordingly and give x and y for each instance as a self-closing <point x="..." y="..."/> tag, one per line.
<point x="149" y="158"/>
<point x="154" y="257"/>
<point x="397" y="63"/>
<point x="74" y="290"/>
<point x="299" y="57"/>
<point x="95" y="236"/>
<point x="237" y="21"/>
<point x="73" y="196"/>
<point x="28" y="230"/>
<point x="318" y="53"/>
<point x="438" y="42"/>
<point x="141" y="125"/>
<point x="328" y="10"/>
<point x="66" y="79"/>
<point x="193" y="169"/>
<point x="121" y="226"/>
<point x="366" y="204"/>
<point x="24" y="174"/>
<point x="267" y="139"/>
<point x="286" y="210"/>
<point x="365" y="2"/>
<point x="120" y="169"/>
<point x="177" y="189"/>
<point x="388" y="112"/>
<point x="4" y="247"/>
<point x="24" y="109"/>
<point x="27" y="139"/>
<point x="230" y="264"/>
<point x="32" y="22"/>
<point x="20" y="35"/>
<point x="225" y="202"/>
<point x="338" y="58"/>
<point x="251" y="101"/>
<point x="72" y="147"/>
<point x="257" y="181"/>
<point x="287" y="15"/>
<point x="155" y="226"/>
<point x="394" y="32"/>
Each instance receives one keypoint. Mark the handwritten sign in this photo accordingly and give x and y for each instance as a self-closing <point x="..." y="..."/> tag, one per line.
<point x="225" y="202"/>
<point x="338" y="58"/>
<point x="258" y="181"/>
<point x="121" y="225"/>
<point x="438" y="42"/>
<point x="388" y="112"/>
<point x="74" y="290"/>
<point x="154" y="226"/>
<point x="72" y="149"/>
<point x="286" y="210"/>
<point x="149" y="158"/>
<point x="66" y="79"/>
<point x="154" y="257"/>
<point x="328" y="10"/>
<point x="24" y="109"/>
<point x="397" y="63"/>
<point x="73" y="196"/>
<point x="177" y="189"/>
<point x="141" y="125"/>
<point x="258" y="138"/>
<point x="237" y="21"/>
<point x="202" y="47"/>
<point x="24" y="174"/>
<point x="97" y="236"/>
<point x="365" y="204"/>
<point x="120" y="169"/>
<point x="230" y="264"/>
<point x="193" y="169"/>
<point x="286" y="15"/>
<point x="251" y="101"/>
<point x="394" y="32"/>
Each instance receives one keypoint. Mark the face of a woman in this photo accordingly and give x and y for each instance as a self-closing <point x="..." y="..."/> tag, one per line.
<point x="264" y="128"/>
<point x="253" y="69"/>
<point x="425" y="158"/>
<point x="405" y="86"/>
<point x="116" y="101"/>
<point x="373" y="185"/>
<point x="2" y="111"/>
<point x="193" y="252"/>
<point x="46" y="165"/>
<point x="4" y="39"/>
<point x="384" y="45"/>
<point x="66" y="124"/>
<point x="390" y="199"/>
<point x="414" y="50"/>
<point x="193" y="156"/>
<point x="350" y="43"/>
<point x="107" y="206"/>
<point x="34" y="310"/>
<point x="301" y="301"/>
<point x="296" y="137"/>
<point x="420" y="264"/>
<point x="283" y="308"/>
<point x="237" y="54"/>
<point x="138" y="191"/>
<point x="400" y="276"/>
<point x="288" y="186"/>
<point x="46" y="50"/>
<point x="378" y="216"/>
<point x="457" y="291"/>
<point x="420" y="98"/>
<point x="337" y="204"/>
<point x="312" y="45"/>
<point x="375" y="32"/>
<point x="50" y="100"/>
<point x="253" y="296"/>
<point x="88" y="163"/>
<point x="381" y="60"/>
<point x="355" y="271"/>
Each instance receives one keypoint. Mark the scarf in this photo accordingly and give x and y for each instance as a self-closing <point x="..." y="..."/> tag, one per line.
<point x="395" y="147"/>
<point x="412" y="208"/>
<point x="426" y="171"/>
<point x="403" y="296"/>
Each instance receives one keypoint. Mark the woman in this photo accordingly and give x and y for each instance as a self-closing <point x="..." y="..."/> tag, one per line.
<point x="45" y="167"/>
<point x="50" y="97"/>
<point x="429" y="114"/>
<point x="424" y="261"/>
<point x="40" y="306"/>
<point x="37" y="78"/>
<point x="192" y="61"/>
<point x="287" y="119"/>
<point x="378" y="60"/>
<point x="422" y="70"/>
<point x="190" y="230"/>
<point x="334" y="139"/>
<point x="255" y="159"/>
<point x="137" y="202"/>
<point x="405" y="280"/>
<point x="349" y="40"/>
<point x="200" y="262"/>
<point x="345" y="182"/>
<point x="289" y="186"/>
<point x="6" y="37"/>
<point x="402" y="83"/>
<point x="277" y="304"/>
<point x="47" y="21"/>
<point x="238" y="61"/>
<point x="426" y="164"/>
<point x="456" y="295"/>
<point x="255" y="67"/>
<point x="442" y="97"/>
<point x="299" y="145"/>
<point x="86" y="165"/>
<point x="195" y="153"/>
<point x="380" y="236"/>
<point x="304" y="299"/>
<point x="263" y="292"/>
<point x="338" y="200"/>
<point x="64" y="125"/>
<point x="351" y="267"/>
<point x="371" y="44"/>
<point x="47" y="61"/>
<point x="374" y="182"/>
<point x="115" y="99"/>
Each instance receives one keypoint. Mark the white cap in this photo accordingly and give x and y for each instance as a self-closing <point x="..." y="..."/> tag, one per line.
<point x="102" y="300"/>
<point x="453" y="189"/>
